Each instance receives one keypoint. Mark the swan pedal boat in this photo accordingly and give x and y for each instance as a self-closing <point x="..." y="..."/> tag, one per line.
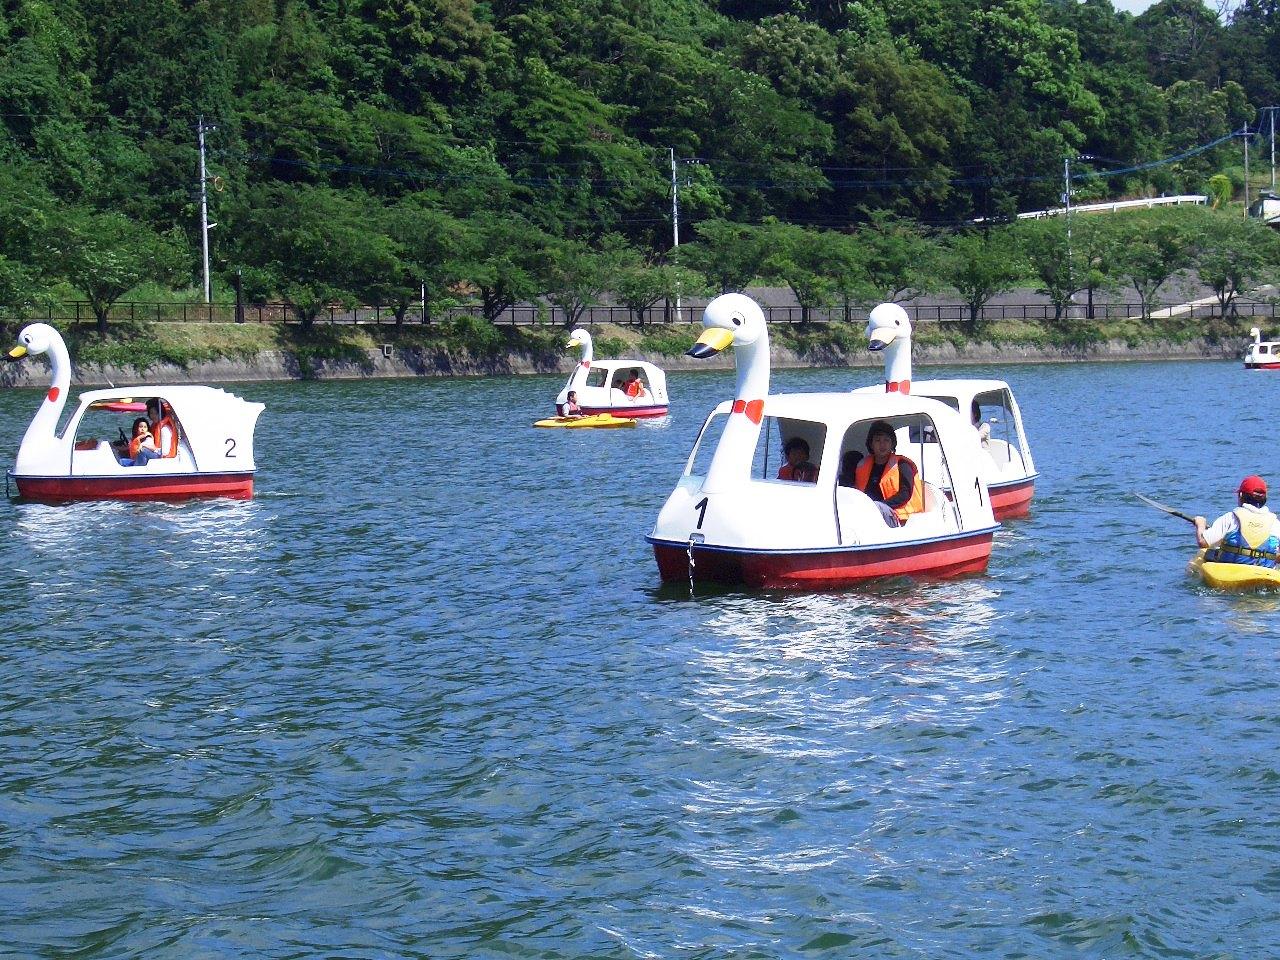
<point x="596" y="421"/>
<point x="1261" y="354"/>
<point x="730" y="521"/>
<point x="598" y="384"/>
<point x="1233" y="576"/>
<point x="1008" y="468"/>
<point x="215" y="439"/>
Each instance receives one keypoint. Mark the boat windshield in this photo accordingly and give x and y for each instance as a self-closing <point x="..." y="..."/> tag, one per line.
<point x="705" y="445"/>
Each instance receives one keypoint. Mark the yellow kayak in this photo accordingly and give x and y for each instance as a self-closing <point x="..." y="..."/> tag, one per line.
<point x="578" y="423"/>
<point x="1233" y="576"/>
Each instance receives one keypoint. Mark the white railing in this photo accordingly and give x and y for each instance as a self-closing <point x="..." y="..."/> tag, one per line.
<point x="1116" y="205"/>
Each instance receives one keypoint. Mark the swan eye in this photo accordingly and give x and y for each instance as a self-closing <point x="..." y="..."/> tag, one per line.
<point x="737" y="321"/>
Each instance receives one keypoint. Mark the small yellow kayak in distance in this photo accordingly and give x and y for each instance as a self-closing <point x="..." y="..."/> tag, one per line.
<point x="598" y="420"/>
<point x="1233" y="576"/>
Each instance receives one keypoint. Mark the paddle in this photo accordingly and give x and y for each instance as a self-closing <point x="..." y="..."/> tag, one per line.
<point x="1167" y="509"/>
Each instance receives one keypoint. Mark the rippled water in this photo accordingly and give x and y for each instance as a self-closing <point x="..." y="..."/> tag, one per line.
<point x="424" y="696"/>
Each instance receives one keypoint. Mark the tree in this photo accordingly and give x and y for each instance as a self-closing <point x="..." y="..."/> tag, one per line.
<point x="730" y="255"/>
<point x="105" y="255"/>
<point x="575" y="274"/>
<point x="799" y="258"/>
<point x="429" y="241"/>
<point x="900" y="261"/>
<point x="1043" y="245"/>
<point x="1233" y="255"/>
<point x="500" y="258"/>
<point x="1151" y="247"/>
<point x="979" y="266"/>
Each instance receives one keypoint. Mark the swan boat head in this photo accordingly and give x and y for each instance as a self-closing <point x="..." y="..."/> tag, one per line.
<point x="735" y="320"/>
<point x="889" y="330"/>
<point x="580" y="338"/>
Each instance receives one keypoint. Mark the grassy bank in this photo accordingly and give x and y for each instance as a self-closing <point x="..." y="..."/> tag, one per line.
<point x="142" y="346"/>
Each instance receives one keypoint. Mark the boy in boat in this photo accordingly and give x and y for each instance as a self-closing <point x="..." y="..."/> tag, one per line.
<point x="797" y="466"/>
<point x="635" y="387"/>
<point x="893" y="482"/>
<point x="1248" y="534"/>
<point x="571" y="408"/>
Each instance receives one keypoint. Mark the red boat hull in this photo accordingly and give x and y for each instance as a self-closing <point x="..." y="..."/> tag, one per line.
<point x="238" y="486"/>
<point x="1013" y="499"/>
<point x="1261" y="366"/>
<point x="633" y="413"/>
<point x="950" y="557"/>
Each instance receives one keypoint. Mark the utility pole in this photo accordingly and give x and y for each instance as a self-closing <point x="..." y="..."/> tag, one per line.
<point x="1066" y="199"/>
<point x="1246" y="168"/>
<point x="205" y="225"/>
<point x="675" y="223"/>
<point x="1272" y="111"/>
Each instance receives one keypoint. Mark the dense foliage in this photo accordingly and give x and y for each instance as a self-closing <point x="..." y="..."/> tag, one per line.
<point x="496" y="152"/>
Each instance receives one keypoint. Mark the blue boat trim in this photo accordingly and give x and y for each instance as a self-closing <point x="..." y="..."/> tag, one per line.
<point x="1012" y="483"/>
<point x="853" y="548"/>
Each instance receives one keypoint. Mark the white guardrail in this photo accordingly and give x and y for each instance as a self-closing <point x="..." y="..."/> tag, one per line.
<point x="1117" y="205"/>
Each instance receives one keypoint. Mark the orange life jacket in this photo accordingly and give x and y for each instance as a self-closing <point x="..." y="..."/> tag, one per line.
<point x="805" y="472"/>
<point x="634" y="388"/>
<point x="171" y="448"/>
<point x="889" y="484"/>
<point x="134" y="446"/>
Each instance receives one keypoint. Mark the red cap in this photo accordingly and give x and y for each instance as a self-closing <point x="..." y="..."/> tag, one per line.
<point x="1253" y="486"/>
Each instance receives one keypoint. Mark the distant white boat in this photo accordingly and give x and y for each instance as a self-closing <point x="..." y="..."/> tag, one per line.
<point x="1262" y="354"/>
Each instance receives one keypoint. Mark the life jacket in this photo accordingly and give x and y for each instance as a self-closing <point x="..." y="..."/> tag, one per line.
<point x="889" y="484"/>
<point x="635" y="388"/>
<point x="134" y="446"/>
<point x="1251" y="542"/>
<point x="805" y="472"/>
<point x="169" y="449"/>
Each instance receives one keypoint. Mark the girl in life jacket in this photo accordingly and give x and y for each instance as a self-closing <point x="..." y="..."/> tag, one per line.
<point x="1248" y="534"/>
<point x="164" y="429"/>
<point x="893" y="482"/>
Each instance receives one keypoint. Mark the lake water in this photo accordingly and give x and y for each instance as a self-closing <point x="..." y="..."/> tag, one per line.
<point x="425" y="696"/>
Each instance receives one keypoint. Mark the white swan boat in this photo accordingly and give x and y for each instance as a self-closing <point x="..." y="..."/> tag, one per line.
<point x="1261" y="354"/>
<point x="988" y="405"/>
<point x="730" y="520"/>
<point x="624" y="388"/>
<point x="214" y="442"/>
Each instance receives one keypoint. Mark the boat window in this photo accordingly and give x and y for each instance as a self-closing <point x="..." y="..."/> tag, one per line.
<point x="115" y="426"/>
<point x="775" y="433"/>
<point x="596" y="377"/>
<point x="911" y="432"/>
<point x="705" y="446"/>
<point x="1264" y="348"/>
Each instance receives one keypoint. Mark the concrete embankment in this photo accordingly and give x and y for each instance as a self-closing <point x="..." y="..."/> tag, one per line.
<point x="410" y="362"/>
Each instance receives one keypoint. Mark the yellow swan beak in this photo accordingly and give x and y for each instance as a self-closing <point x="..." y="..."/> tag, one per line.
<point x="17" y="353"/>
<point x="711" y="342"/>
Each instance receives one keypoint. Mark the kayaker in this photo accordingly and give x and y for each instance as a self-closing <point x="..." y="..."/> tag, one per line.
<point x="1248" y="534"/>
<point x="893" y="482"/>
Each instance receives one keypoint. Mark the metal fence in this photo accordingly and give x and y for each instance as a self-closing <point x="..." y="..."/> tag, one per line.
<point x="78" y="312"/>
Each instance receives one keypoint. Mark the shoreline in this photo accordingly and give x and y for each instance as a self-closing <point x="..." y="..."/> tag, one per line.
<point x="283" y="366"/>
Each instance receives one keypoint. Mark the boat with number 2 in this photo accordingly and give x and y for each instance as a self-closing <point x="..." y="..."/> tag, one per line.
<point x="213" y="448"/>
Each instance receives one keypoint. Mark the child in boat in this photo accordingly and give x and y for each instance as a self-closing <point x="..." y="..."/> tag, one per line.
<point x="893" y="482"/>
<point x="984" y="429"/>
<point x="635" y="387"/>
<point x="142" y="446"/>
<point x="164" y="429"/>
<point x="571" y="408"/>
<point x="1248" y="534"/>
<point x="797" y="466"/>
